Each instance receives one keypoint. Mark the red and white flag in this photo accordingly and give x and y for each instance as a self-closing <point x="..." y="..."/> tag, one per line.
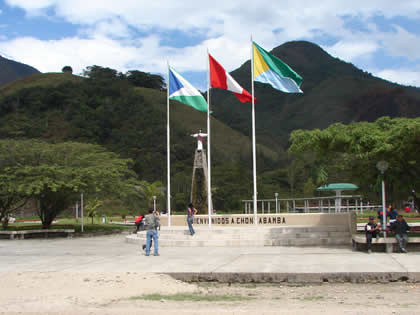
<point x="221" y="79"/>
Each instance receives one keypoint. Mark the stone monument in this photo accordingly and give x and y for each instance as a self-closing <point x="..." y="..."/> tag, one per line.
<point x="200" y="175"/>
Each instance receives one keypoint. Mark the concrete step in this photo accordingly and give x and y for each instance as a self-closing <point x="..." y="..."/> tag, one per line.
<point x="200" y="243"/>
<point x="309" y="235"/>
<point x="247" y="243"/>
<point x="254" y="230"/>
<point x="309" y="229"/>
<point x="311" y="242"/>
<point x="247" y="236"/>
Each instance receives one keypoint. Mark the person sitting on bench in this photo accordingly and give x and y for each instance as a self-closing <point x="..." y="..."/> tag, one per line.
<point x="400" y="229"/>
<point x="372" y="230"/>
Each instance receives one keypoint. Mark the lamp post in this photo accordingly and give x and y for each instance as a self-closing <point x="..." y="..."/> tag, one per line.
<point x="277" y="206"/>
<point x="382" y="166"/>
<point x="154" y="203"/>
<point x="81" y="210"/>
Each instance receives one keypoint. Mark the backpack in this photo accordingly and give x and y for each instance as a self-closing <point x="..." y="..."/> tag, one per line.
<point x="150" y="222"/>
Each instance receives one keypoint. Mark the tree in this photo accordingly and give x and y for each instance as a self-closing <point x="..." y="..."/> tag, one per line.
<point x="232" y="183"/>
<point x="67" y="69"/>
<point x="92" y="208"/>
<point x="309" y="188"/>
<point x="149" y="190"/>
<point x="8" y="204"/>
<point x="55" y="174"/>
<point x="11" y="196"/>
<point x="144" y="79"/>
<point x="100" y="73"/>
<point x="353" y="151"/>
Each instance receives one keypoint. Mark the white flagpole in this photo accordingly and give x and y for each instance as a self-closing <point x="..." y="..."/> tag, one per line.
<point x="168" y="191"/>
<point x="254" y="149"/>
<point x="209" y="203"/>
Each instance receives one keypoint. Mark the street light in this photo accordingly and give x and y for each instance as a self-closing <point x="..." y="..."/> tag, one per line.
<point x="277" y="206"/>
<point x="154" y="203"/>
<point x="81" y="210"/>
<point x="382" y="166"/>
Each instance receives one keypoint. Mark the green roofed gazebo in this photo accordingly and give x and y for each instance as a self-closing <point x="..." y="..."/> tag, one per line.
<point x="341" y="186"/>
<point x="338" y="188"/>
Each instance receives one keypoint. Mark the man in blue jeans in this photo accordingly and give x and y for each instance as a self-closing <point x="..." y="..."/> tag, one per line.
<point x="190" y="217"/>
<point x="400" y="229"/>
<point x="151" y="224"/>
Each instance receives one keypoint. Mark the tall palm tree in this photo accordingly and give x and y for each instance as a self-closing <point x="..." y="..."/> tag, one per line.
<point x="148" y="190"/>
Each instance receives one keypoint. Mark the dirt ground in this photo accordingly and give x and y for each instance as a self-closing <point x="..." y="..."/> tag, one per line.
<point x="121" y="292"/>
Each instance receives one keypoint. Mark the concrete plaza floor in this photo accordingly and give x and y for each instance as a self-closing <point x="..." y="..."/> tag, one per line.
<point x="276" y="264"/>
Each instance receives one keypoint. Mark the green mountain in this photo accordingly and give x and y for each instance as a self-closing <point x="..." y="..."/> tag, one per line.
<point x="334" y="91"/>
<point x="11" y="70"/>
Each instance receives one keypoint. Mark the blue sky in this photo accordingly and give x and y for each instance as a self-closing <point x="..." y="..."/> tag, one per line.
<point x="378" y="36"/>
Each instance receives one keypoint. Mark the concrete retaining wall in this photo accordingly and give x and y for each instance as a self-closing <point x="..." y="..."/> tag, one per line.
<point x="276" y="277"/>
<point x="281" y="219"/>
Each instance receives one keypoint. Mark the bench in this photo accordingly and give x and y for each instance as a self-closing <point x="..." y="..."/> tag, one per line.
<point x="390" y="242"/>
<point x="45" y="232"/>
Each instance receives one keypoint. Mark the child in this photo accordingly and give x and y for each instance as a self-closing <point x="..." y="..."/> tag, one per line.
<point x="372" y="230"/>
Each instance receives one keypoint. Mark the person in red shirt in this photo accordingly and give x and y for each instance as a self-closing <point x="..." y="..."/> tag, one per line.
<point x="139" y="222"/>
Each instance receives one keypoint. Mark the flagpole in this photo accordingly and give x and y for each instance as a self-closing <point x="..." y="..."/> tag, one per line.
<point x="254" y="156"/>
<point x="209" y="205"/>
<point x="168" y="154"/>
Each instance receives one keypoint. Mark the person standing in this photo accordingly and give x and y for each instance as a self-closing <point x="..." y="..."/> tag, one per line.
<point x="150" y="224"/>
<point x="372" y="230"/>
<point x="400" y="229"/>
<point x="191" y="211"/>
<point x="381" y="217"/>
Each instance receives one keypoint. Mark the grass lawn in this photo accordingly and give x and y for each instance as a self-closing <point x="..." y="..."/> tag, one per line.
<point x="194" y="297"/>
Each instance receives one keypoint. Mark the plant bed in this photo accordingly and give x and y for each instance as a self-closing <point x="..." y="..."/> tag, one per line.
<point x="99" y="229"/>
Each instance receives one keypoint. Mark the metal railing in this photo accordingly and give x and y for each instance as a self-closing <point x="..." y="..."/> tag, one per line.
<point x="332" y="204"/>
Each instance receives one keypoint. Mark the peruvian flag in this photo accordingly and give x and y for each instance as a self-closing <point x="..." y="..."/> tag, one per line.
<point x="221" y="79"/>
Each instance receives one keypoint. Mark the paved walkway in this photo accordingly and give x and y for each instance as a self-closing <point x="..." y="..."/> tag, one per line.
<point x="112" y="253"/>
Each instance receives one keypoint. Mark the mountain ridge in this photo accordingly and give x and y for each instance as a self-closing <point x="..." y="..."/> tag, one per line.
<point x="11" y="70"/>
<point x="333" y="91"/>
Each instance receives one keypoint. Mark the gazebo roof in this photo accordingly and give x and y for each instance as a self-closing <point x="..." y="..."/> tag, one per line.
<point x="340" y="186"/>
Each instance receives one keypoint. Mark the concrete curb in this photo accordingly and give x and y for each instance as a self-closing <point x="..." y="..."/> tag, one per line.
<point x="338" y="277"/>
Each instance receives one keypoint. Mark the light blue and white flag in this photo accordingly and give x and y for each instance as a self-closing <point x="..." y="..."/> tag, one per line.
<point x="182" y="91"/>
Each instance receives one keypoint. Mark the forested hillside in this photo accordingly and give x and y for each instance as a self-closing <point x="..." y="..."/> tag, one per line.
<point x="120" y="113"/>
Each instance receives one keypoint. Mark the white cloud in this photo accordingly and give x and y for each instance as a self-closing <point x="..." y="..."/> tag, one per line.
<point x="147" y="54"/>
<point x="108" y="31"/>
<point x="114" y="28"/>
<point x="234" y="18"/>
<point x="31" y="4"/>
<point x="75" y="52"/>
<point x="401" y="76"/>
<point x="402" y="43"/>
<point x="350" y="50"/>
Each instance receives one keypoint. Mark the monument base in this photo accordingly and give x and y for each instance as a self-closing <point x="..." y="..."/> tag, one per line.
<point x="274" y="230"/>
